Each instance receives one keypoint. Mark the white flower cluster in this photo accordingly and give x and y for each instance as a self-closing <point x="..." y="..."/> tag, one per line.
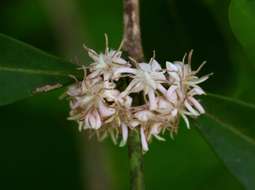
<point x="165" y="94"/>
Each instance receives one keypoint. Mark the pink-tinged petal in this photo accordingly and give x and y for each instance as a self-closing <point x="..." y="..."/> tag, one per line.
<point x="158" y="76"/>
<point x="111" y="95"/>
<point x="197" y="91"/>
<point x="92" y="121"/>
<point x="109" y="85"/>
<point x="143" y="140"/>
<point x="144" y="115"/>
<point x="121" y="70"/>
<point x="161" y="88"/>
<point x="190" y="108"/>
<point x="155" y="66"/>
<point x="84" y="100"/>
<point x="149" y="80"/>
<point x="152" y="100"/>
<point x="171" y="67"/>
<point x="186" y="120"/>
<point x="197" y="105"/>
<point x="174" y="76"/>
<point x="163" y="104"/>
<point x="98" y="121"/>
<point x="107" y="76"/>
<point x="86" y="120"/>
<point x="93" y="74"/>
<point x="145" y="67"/>
<point x="119" y="60"/>
<point x="124" y="131"/>
<point x="155" y="130"/>
<point x="171" y="94"/>
<point x="134" y="123"/>
<point x="127" y="101"/>
<point x="104" y="110"/>
<point x="179" y="65"/>
<point x="171" y="91"/>
<point x="74" y="90"/>
<point x="200" y="80"/>
<point x="174" y="112"/>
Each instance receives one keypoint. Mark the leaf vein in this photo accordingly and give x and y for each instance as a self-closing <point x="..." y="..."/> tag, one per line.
<point x="231" y="129"/>
<point x="31" y="71"/>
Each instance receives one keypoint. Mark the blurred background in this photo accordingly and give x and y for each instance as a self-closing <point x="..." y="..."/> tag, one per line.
<point x="40" y="149"/>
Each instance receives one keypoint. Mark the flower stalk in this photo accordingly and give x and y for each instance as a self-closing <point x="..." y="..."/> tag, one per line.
<point x="133" y="46"/>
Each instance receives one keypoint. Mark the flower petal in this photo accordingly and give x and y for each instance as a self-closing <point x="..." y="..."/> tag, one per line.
<point x="155" y="66"/>
<point x="186" y="120"/>
<point x="124" y="131"/>
<point x="144" y="115"/>
<point x="104" y="110"/>
<point x="143" y="140"/>
<point x="197" y="105"/>
<point x="145" y="67"/>
<point x="190" y="108"/>
<point x="152" y="100"/>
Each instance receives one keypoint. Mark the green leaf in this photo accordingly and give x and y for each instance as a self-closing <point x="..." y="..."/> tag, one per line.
<point x="242" y="16"/>
<point x="25" y="70"/>
<point x="229" y="127"/>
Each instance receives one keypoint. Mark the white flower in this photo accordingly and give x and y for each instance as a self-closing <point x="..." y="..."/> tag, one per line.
<point x="182" y="75"/>
<point x="105" y="63"/>
<point x="147" y="77"/>
<point x="98" y="103"/>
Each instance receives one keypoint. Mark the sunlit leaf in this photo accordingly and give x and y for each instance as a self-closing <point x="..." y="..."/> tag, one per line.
<point x="229" y="127"/>
<point x="25" y="71"/>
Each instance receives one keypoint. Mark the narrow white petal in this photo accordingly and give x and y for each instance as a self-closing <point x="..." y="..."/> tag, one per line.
<point x="124" y="131"/>
<point x="155" y="65"/>
<point x="200" y="80"/>
<point x="171" y="91"/>
<point x="98" y="121"/>
<point x="197" y="90"/>
<point x="197" y="105"/>
<point x="119" y="60"/>
<point x="161" y="88"/>
<point x="92" y="121"/>
<point x="152" y="100"/>
<point x="186" y="120"/>
<point x="171" y="67"/>
<point x="145" y="67"/>
<point x="190" y="108"/>
<point x="122" y="70"/>
<point x="174" y="76"/>
<point x="143" y="140"/>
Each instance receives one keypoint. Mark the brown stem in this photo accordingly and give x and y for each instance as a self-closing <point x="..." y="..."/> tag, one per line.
<point x="133" y="46"/>
<point x="132" y="34"/>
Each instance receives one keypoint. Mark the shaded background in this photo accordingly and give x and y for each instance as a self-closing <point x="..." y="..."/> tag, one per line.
<point x="40" y="149"/>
